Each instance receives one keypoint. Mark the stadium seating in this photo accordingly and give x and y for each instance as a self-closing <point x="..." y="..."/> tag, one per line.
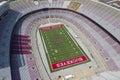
<point x="21" y="48"/>
<point x="104" y="15"/>
<point x="97" y="29"/>
<point x="34" y="74"/>
<point x="23" y="61"/>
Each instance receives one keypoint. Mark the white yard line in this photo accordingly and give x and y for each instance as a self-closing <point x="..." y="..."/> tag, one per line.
<point x="75" y="42"/>
<point x="46" y="50"/>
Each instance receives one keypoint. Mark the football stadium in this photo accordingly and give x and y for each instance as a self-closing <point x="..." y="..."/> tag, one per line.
<point x="59" y="47"/>
<point x="59" y="39"/>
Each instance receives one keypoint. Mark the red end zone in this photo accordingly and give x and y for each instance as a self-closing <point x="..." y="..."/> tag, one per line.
<point x="50" y="27"/>
<point x="69" y="62"/>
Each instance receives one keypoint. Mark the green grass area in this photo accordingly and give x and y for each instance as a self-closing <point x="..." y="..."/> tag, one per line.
<point x="60" y="45"/>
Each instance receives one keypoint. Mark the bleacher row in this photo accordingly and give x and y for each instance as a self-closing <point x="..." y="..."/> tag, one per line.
<point x="105" y="15"/>
<point x="21" y="47"/>
<point x="28" y="6"/>
<point x="96" y="42"/>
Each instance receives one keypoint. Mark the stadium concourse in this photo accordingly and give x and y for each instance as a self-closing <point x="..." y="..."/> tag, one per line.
<point x="59" y="40"/>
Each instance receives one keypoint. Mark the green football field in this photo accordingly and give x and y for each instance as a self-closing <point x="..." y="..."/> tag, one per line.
<point x="60" y="47"/>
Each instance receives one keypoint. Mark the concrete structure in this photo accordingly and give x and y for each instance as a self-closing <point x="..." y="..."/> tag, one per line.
<point x="97" y="28"/>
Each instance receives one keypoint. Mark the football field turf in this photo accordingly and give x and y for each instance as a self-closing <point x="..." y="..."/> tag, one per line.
<point x="61" y="48"/>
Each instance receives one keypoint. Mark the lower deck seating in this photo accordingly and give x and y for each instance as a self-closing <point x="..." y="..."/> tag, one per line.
<point x="22" y="47"/>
